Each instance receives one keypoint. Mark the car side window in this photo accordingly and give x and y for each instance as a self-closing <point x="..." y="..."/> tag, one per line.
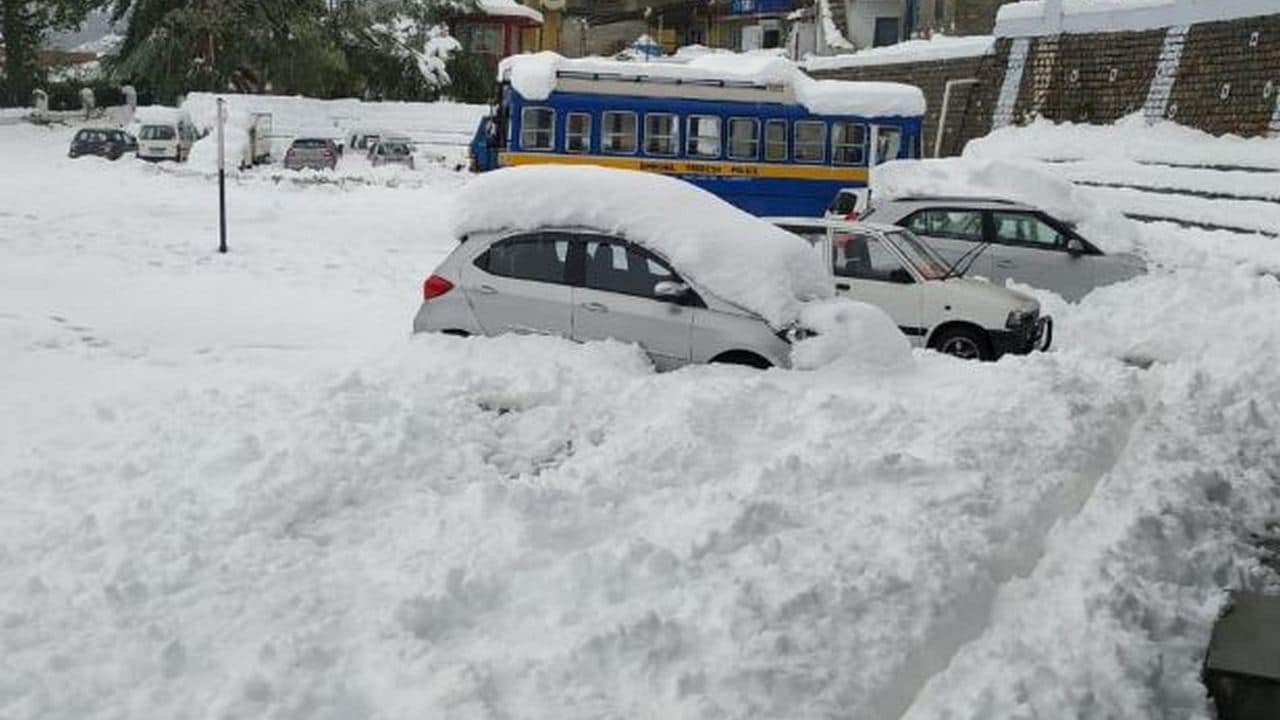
<point x="538" y="257"/>
<point x="953" y="224"/>
<point x="866" y="257"/>
<point x="616" y="266"/>
<point x="1020" y="228"/>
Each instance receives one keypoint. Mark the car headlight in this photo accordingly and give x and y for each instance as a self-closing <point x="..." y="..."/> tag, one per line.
<point x="1021" y="318"/>
<point x="796" y="333"/>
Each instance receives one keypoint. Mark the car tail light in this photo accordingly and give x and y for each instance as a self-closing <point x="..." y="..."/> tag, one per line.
<point x="434" y="287"/>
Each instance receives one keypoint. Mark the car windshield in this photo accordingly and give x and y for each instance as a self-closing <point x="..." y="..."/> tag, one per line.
<point x="395" y="148"/>
<point x="157" y="132"/>
<point x="926" y="261"/>
<point x="310" y="144"/>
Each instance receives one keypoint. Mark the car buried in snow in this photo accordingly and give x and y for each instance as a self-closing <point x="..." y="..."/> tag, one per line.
<point x="1007" y="240"/>
<point x="569" y="252"/>
<point x="930" y="301"/>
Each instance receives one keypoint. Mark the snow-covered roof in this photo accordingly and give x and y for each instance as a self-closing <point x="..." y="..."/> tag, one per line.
<point x="535" y="77"/>
<point x="939" y="47"/>
<point x="510" y="8"/>
<point x="160" y="115"/>
<point x="738" y="257"/>
<point x="1037" y="17"/>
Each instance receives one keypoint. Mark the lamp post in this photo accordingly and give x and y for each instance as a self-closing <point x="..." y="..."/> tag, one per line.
<point x="222" y="177"/>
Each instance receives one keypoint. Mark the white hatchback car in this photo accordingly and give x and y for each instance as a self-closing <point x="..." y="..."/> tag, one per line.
<point x="571" y="252"/>
<point x="889" y="267"/>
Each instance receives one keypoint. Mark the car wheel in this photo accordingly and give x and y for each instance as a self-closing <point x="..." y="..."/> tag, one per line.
<point x="964" y="343"/>
<point x="742" y="357"/>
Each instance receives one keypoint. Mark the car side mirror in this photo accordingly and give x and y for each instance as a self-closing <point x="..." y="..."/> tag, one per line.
<point x="1075" y="247"/>
<point x="670" y="290"/>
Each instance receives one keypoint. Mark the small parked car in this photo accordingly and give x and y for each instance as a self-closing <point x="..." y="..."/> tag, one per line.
<point x="166" y="141"/>
<point x="392" y="152"/>
<point x="109" y="143"/>
<point x="312" y="153"/>
<point x="573" y="255"/>
<point x="1003" y="240"/>
<point x="891" y="268"/>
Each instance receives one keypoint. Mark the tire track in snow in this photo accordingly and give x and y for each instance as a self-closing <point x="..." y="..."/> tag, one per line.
<point x="972" y="614"/>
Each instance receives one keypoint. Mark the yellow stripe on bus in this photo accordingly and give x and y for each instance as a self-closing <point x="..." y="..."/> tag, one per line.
<point x="691" y="167"/>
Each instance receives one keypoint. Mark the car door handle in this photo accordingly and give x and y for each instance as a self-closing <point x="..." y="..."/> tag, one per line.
<point x="1005" y="264"/>
<point x="486" y="290"/>
<point x="843" y="286"/>
<point x="595" y="307"/>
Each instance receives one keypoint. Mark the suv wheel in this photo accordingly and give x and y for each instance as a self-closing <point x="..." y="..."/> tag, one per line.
<point x="962" y="342"/>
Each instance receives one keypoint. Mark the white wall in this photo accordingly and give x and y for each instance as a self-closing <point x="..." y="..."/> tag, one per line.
<point x="862" y="16"/>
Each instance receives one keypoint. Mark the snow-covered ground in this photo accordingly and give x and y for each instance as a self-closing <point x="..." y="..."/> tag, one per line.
<point x="235" y="486"/>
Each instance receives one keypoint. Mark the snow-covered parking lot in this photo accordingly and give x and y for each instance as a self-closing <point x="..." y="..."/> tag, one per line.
<point x="235" y="486"/>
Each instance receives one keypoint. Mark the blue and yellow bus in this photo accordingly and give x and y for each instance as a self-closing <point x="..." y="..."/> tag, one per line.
<point x="778" y="144"/>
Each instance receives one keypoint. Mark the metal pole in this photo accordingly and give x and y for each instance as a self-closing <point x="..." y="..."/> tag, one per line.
<point x="942" y="114"/>
<point x="222" y="178"/>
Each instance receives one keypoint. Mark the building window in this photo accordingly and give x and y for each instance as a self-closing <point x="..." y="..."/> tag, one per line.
<point x="704" y="136"/>
<point x="577" y="133"/>
<point x="775" y="140"/>
<point x="811" y="141"/>
<point x="537" y="128"/>
<point x="848" y="143"/>
<point x="661" y="134"/>
<point x="744" y="138"/>
<point x="619" y="132"/>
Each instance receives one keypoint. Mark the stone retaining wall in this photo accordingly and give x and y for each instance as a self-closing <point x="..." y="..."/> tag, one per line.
<point x="1221" y="77"/>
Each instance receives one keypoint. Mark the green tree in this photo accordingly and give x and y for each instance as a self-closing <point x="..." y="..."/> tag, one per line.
<point x="23" y="26"/>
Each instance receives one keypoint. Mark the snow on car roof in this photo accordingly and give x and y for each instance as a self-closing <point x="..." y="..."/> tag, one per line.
<point x="535" y="77"/>
<point x="716" y="246"/>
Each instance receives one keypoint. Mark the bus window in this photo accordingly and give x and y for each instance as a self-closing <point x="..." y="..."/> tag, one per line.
<point x="661" y="134"/>
<point x="848" y="143"/>
<point x="704" y="136"/>
<point x="775" y="140"/>
<point x="744" y="138"/>
<point x="577" y="133"/>
<point x="888" y="143"/>
<point x="537" y="128"/>
<point x="811" y="141"/>
<point x="619" y="132"/>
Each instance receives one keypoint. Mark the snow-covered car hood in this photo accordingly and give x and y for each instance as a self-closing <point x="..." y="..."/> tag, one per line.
<point x="978" y="294"/>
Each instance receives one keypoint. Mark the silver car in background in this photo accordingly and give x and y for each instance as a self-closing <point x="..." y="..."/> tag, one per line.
<point x="1004" y="240"/>
<point x="586" y="284"/>
<point x="312" y="153"/>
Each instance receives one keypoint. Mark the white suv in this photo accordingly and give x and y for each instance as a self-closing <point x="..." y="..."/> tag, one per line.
<point x="891" y="268"/>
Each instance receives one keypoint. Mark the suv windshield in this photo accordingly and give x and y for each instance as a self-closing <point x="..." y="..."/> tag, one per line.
<point x="925" y="260"/>
<point x="310" y="144"/>
<point x="157" y="132"/>
<point x="395" y="149"/>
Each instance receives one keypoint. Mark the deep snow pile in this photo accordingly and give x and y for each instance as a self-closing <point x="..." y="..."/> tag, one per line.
<point x="737" y="257"/>
<point x="1130" y="138"/>
<point x="234" y="483"/>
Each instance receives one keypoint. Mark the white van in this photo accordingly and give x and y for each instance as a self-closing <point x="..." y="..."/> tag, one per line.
<point x="931" y="302"/>
<point x="166" y="136"/>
